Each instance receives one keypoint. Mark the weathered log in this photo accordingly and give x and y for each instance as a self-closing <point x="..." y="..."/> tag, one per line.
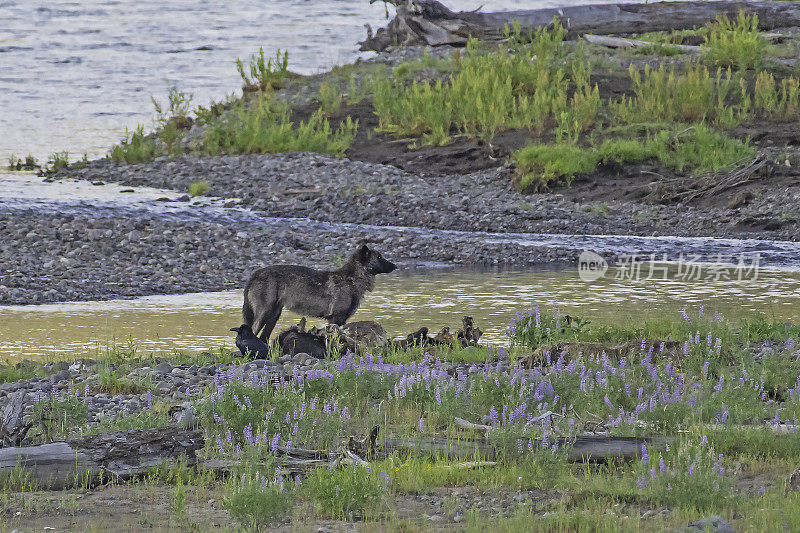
<point x="428" y="22"/>
<point x="591" y="447"/>
<point x="107" y="455"/>
<point x="619" y="42"/>
<point x="12" y="424"/>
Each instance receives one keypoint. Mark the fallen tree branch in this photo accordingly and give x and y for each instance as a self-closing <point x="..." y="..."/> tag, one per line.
<point x="108" y="455"/>
<point x="619" y="42"/>
<point x="428" y="22"/>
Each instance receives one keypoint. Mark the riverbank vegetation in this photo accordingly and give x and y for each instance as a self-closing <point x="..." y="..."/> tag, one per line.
<point x="687" y="113"/>
<point x="714" y="404"/>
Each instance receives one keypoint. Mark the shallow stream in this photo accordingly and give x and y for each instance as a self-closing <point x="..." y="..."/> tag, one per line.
<point x="401" y="302"/>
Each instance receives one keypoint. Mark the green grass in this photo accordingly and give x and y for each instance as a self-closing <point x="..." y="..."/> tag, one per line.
<point x="710" y="416"/>
<point x="199" y="188"/>
<point x="136" y="147"/>
<point x="265" y="127"/>
<point x="696" y="148"/>
<point x="261" y="75"/>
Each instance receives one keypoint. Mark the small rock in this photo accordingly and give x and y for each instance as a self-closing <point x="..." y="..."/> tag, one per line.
<point x="164" y="368"/>
<point x="713" y="523"/>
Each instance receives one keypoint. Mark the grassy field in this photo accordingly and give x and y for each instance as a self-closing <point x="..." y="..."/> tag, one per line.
<point x="729" y="404"/>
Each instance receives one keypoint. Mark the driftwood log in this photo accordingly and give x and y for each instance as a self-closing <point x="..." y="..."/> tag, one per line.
<point x="12" y="423"/>
<point x="108" y="455"/>
<point x="592" y="447"/>
<point x="428" y="22"/>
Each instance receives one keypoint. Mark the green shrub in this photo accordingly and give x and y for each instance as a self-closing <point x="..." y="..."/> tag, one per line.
<point x="265" y="127"/>
<point x="542" y="165"/>
<point x="58" y="161"/>
<point x="135" y="148"/>
<point x="780" y="103"/>
<point x="55" y="416"/>
<point x="489" y="92"/>
<point x="536" y="327"/>
<point x="264" y="76"/>
<point x="199" y="188"/>
<point x="341" y="493"/>
<point x="330" y="98"/>
<point x="699" y="148"/>
<point x="691" y="477"/>
<point x="173" y="119"/>
<point x="664" y="95"/>
<point x="736" y="43"/>
<point x="255" y="502"/>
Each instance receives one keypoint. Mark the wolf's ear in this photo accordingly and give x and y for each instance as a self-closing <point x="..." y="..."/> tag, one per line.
<point x="363" y="253"/>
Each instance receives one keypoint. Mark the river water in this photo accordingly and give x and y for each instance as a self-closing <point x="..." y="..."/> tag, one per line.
<point x="75" y="74"/>
<point x="402" y="302"/>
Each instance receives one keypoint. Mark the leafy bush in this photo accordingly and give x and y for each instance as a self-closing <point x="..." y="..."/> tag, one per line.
<point x="254" y="501"/>
<point x="734" y="43"/>
<point x="535" y="328"/>
<point x="692" y="477"/>
<point x="265" y="127"/>
<point x="779" y="103"/>
<point x="341" y="493"/>
<point x="199" y="188"/>
<point x="135" y="148"/>
<point x="173" y="118"/>
<point x="330" y="98"/>
<point x="541" y="165"/>
<point x="55" y="416"/>
<point x="264" y="76"/>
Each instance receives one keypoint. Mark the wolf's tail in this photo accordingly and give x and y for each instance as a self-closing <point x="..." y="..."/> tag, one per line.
<point x="248" y="314"/>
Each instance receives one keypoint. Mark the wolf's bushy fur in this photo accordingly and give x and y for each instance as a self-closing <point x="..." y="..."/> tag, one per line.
<point x="333" y="295"/>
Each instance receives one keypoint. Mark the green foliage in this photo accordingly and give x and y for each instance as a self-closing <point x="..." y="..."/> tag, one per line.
<point x="58" y="161"/>
<point x="544" y="327"/>
<point x="488" y="93"/>
<point x="265" y="127"/>
<point x="664" y="95"/>
<point x="255" y="502"/>
<point x="110" y="382"/>
<point x="17" y="163"/>
<point x="693" y="477"/>
<point x="135" y="148"/>
<point x="145" y="419"/>
<point x="330" y="98"/>
<point x="56" y="416"/>
<point x="10" y="372"/>
<point x="199" y="188"/>
<point x="408" y="69"/>
<point x="734" y="44"/>
<point x="264" y="75"/>
<point x="697" y="148"/>
<point x="542" y="165"/>
<point x="780" y="103"/>
<point x="173" y="119"/>
<point x="341" y="493"/>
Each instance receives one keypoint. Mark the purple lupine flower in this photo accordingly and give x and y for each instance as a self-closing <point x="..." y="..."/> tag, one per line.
<point x="238" y="449"/>
<point x="652" y="473"/>
<point x="219" y="445"/>
<point x="645" y="457"/>
<point x="691" y="469"/>
<point x="685" y="316"/>
<point x="761" y="490"/>
<point x="421" y="424"/>
<point x="704" y="441"/>
<point x="717" y="316"/>
<point x="661" y="465"/>
<point x="275" y="438"/>
<point x="228" y="437"/>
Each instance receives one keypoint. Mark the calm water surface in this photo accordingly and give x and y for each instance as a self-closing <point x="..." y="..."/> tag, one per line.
<point x="401" y="302"/>
<point x="75" y="74"/>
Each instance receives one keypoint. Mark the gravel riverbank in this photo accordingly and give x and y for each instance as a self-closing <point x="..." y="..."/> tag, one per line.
<point x="327" y="189"/>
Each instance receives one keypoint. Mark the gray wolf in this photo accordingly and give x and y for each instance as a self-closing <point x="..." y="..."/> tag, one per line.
<point x="249" y="344"/>
<point x="330" y="294"/>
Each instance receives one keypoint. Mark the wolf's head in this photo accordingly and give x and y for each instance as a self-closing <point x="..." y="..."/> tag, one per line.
<point x="373" y="261"/>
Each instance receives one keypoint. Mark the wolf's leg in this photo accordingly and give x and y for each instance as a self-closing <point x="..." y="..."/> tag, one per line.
<point x="267" y="321"/>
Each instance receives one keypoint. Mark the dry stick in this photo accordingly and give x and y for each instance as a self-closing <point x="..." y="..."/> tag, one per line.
<point x="619" y="42"/>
